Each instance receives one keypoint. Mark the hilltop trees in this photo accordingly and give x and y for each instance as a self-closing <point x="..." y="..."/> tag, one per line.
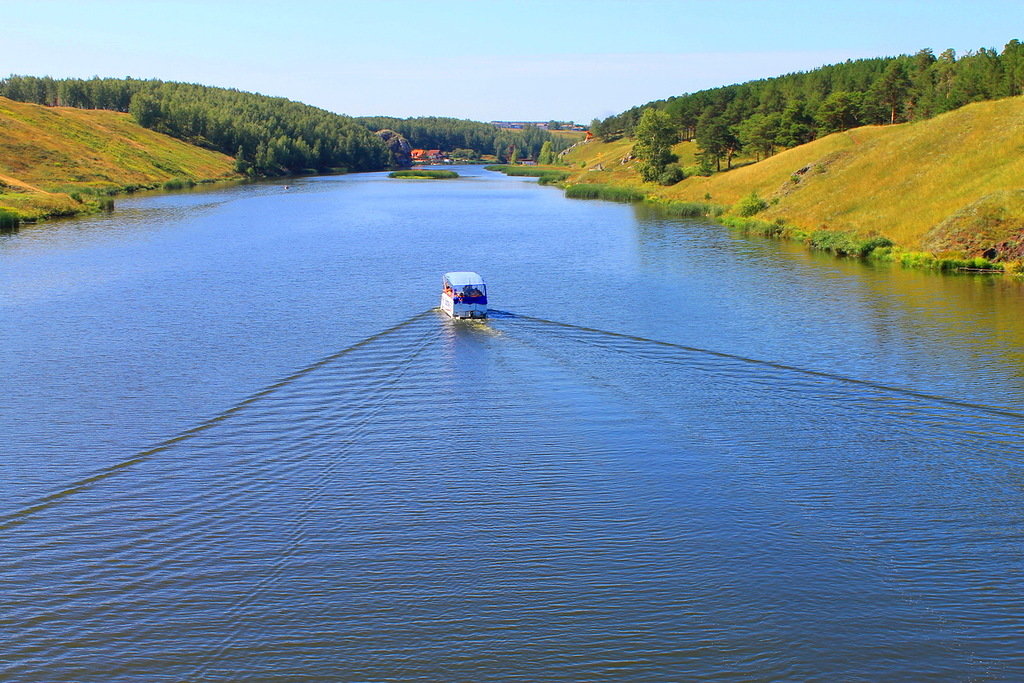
<point x="759" y="133"/>
<point x="893" y="88"/>
<point x="716" y="139"/>
<point x="267" y="135"/>
<point x="840" y="111"/>
<point x="793" y="109"/>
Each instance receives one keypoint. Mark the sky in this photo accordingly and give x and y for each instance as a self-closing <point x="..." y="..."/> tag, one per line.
<point x="568" y="60"/>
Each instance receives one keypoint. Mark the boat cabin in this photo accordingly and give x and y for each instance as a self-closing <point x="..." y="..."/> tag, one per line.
<point x="464" y="295"/>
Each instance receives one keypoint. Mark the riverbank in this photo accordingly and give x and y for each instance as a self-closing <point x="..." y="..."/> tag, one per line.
<point x="943" y="193"/>
<point x="61" y="161"/>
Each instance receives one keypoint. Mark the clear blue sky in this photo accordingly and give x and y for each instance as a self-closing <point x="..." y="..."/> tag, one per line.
<point x="481" y="59"/>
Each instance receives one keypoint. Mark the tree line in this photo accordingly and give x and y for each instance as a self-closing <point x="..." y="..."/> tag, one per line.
<point x="273" y="135"/>
<point x="764" y="115"/>
<point x="471" y="138"/>
<point x="266" y="135"/>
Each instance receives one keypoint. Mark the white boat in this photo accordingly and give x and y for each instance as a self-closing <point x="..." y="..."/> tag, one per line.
<point x="464" y="295"/>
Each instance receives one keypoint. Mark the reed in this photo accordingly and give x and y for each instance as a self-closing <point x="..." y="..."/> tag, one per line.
<point x="689" y="209"/>
<point x="545" y="176"/>
<point x="9" y="220"/>
<point x="424" y="174"/>
<point x="179" y="184"/>
<point x="512" y="169"/>
<point x="612" y="193"/>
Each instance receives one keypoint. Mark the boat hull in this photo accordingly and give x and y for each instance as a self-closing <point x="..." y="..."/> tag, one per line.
<point x="458" y="309"/>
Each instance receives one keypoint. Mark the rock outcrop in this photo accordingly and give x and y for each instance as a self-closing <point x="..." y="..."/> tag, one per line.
<point x="398" y="147"/>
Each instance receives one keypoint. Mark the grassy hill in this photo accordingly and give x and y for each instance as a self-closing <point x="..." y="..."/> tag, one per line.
<point x="951" y="184"/>
<point x="61" y="160"/>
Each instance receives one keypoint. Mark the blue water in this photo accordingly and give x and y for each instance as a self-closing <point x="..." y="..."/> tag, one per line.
<point x="239" y="445"/>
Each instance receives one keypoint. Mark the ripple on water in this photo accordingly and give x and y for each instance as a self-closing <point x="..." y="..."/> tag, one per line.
<point x="519" y="500"/>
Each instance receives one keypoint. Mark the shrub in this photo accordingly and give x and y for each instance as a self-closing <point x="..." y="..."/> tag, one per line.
<point x="648" y="170"/>
<point x="671" y="175"/>
<point x="981" y="263"/>
<point x="846" y="244"/>
<point x="874" y="243"/>
<point x="754" y="226"/>
<point x="750" y="205"/>
<point x="9" y="220"/>
<point x="552" y="177"/>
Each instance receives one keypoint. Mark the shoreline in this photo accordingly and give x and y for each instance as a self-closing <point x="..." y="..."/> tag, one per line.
<point x="43" y="206"/>
<point x="838" y="243"/>
<point x="94" y="202"/>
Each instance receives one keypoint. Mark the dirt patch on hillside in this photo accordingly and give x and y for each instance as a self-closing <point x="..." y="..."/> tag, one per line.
<point x="992" y="227"/>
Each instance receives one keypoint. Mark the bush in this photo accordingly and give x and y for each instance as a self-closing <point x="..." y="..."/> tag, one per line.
<point x="671" y="175"/>
<point x="9" y="220"/>
<point x="754" y="226"/>
<point x="648" y="171"/>
<point x="751" y="205"/>
<point x="552" y="177"/>
<point x="846" y="244"/>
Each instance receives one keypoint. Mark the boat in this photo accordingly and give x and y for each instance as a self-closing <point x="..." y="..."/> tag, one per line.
<point x="464" y="295"/>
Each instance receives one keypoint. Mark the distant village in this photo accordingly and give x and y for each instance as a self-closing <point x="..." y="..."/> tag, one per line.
<point x="546" y="125"/>
<point x="437" y="156"/>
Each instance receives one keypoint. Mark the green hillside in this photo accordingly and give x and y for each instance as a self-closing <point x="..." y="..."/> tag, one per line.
<point x="61" y="160"/>
<point x="268" y="136"/>
<point x="951" y="184"/>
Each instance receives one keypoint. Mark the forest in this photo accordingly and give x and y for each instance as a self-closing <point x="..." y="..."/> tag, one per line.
<point x="266" y="135"/>
<point x="472" y="138"/>
<point x="764" y="115"/>
<point x="270" y="136"/>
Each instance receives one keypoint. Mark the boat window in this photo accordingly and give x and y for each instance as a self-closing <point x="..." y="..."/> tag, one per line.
<point x="473" y="290"/>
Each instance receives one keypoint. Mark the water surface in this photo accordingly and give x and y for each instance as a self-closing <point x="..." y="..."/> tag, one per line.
<point x="240" y="446"/>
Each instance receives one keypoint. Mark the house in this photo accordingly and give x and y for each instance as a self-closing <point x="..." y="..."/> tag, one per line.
<point x="428" y="156"/>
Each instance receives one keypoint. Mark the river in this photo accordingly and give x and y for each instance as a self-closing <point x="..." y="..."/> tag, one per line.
<point x="239" y="444"/>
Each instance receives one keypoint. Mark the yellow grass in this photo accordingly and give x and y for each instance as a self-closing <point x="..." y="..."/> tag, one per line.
<point x="572" y="135"/>
<point x="48" y="152"/>
<point x="898" y="181"/>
